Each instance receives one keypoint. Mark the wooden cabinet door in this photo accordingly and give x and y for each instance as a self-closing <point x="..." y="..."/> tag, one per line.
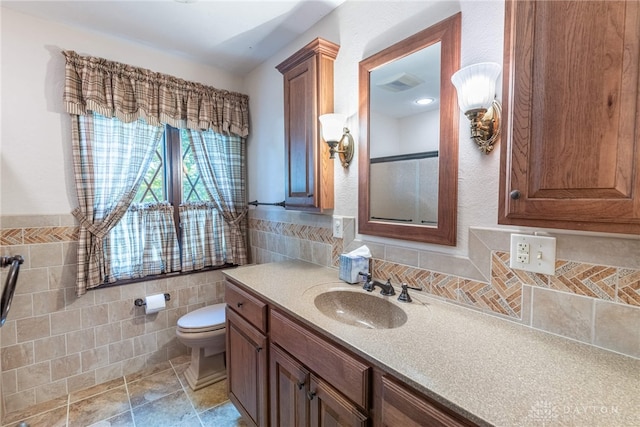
<point x="571" y="144"/>
<point x="247" y="369"/>
<point x="308" y="93"/>
<point x="288" y="390"/>
<point x="402" y="407"/>
<point x="301" y="149"/>
<point x="329" y="408"/>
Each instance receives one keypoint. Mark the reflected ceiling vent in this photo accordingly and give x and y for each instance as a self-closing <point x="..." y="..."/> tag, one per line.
<point x="400" y="82"/>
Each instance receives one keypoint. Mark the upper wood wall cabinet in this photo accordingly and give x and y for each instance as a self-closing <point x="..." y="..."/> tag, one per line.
<point x="308" y="93"/>
<point x="571" y="151"/>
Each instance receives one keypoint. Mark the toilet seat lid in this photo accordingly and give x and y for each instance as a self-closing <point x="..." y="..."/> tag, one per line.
<point x="210" y="317"/>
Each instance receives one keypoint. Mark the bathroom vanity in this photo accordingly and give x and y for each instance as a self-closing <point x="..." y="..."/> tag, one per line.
<point x="304" y="348"/>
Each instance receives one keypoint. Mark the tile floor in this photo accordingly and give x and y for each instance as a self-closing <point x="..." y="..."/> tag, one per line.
<point x="156" y="397"/>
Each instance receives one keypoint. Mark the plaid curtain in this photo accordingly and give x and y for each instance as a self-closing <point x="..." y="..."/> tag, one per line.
<point x="143" y="243"/>
<point x="129" y="93"/>
<point x="221" y="161"/>
<point x="110" y="159"/>
<point x="203" y="241"/>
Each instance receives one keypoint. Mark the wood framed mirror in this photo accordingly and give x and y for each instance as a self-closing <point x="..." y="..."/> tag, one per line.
<point x="408" y="155"/>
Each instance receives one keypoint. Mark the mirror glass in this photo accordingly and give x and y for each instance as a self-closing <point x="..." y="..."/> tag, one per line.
<point x="408" y="151"/>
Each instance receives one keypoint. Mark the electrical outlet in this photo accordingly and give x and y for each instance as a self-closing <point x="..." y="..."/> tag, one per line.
<point x="533" y="253"/>
<point x="338" y="226"/>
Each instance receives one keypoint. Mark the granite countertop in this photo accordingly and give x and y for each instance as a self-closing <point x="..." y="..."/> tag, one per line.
<point x="490" y="370"/>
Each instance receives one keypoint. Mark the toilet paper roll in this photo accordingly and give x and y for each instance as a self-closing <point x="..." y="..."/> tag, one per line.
<point x="154" y="303"/>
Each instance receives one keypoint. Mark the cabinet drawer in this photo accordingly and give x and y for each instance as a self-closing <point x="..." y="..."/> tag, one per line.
<point x="334" y="365"/>
<point x="404" y="407"/>
<point x="248" y="306"/>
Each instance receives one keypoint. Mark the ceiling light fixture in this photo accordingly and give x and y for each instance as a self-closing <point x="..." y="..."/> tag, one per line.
<point x="425" y="101"/>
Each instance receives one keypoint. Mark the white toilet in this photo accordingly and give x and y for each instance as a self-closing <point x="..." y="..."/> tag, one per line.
<point x="203" y="330"/>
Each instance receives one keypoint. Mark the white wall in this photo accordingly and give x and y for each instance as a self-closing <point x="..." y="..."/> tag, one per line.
<point x="362" y="28"/>
<point x="35" y="166"/>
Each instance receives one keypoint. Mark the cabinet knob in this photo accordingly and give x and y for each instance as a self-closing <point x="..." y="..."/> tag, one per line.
<point x="300" y="385"/>
<point x="258" y="349"/>
<point x="309" y="195"/>
<point x="311" y="395"/>
<point x="515" y="194"/>
<point x="239" y="304"/>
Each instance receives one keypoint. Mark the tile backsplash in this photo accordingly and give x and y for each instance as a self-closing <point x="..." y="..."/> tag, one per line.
<point x="54" y="343"/>
<point x="586" y="300"/>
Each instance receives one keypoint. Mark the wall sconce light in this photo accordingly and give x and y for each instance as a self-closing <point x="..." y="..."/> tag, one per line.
<point x="476" y="87"/>
<point x="337" y="137"/>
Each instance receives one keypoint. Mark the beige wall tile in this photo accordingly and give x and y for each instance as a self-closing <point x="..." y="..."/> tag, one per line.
<point x="22" y="250"/>
<point x="94" y="358"/>
<point x="134" y="365"/>
<point x="119" y="351"/>
<point x="145" y="344"/>
<point x="402" y="255"/>
<point x="65" y="321"/>
<point x="617" y="327"/>
<point x="562" y="313"/>
<point x="133" y="327"/>
<point x="109" y="372"/>
<point x="8" y="334"/>
<point x="19" y="401"/>
<point x="155" y="322"/>
<point x="94" y="316"/>
<point x="63" y="276"/>
<point x="33" y="375"/>
<point x="109" y="294"/>
<point x="33" y="328"/>
<point x="321" y="253"/>
<point x="50" y="348"/>
<point x="45" y="254"/>
<point x="187" y="296"/>
<point x="107" y="334"/>
<point x="32" y="280"/>
<point x="81" y="340"/>
<point x="82" y="381"/>
<point x="21" y="307"/>
<point x="166" y="338"/>
<point x="73" y="301"/>
<point x="70" y="253"/>
<point x="9" y="382"/>
<point x="133" y="291"/>
<point x="47" y="392"/>
<point x="121" y="310"/>
<point x="48" y="302"/>
<point x="16" y="356"/>
<point x="66" y="366"/>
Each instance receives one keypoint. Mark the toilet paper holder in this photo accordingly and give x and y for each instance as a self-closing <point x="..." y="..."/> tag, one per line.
<point x="140" y="302"/>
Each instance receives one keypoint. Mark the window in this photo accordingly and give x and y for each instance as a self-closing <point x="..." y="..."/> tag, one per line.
<point x="135" y="176"/>
<point x="172" y="216"/>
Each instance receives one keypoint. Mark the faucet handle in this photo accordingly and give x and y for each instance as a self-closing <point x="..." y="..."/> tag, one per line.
<point x="368" y="283"/>
<point x="404" y="295"/>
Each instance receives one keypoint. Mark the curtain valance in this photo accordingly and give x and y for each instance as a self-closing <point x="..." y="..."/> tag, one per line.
<point x="113" y="89"/>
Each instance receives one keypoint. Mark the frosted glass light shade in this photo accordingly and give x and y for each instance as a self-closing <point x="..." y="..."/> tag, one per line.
<point x="476" y="85"/>
<point x="332" y="126"/>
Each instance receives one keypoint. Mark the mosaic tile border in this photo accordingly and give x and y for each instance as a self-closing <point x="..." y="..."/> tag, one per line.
<point x="35" y="235"/>
<point x="503" y="294"/>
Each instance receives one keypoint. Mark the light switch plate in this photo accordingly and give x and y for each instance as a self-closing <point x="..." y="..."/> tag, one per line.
<point x="338" y="227"/>
<point x="533" y="253"/>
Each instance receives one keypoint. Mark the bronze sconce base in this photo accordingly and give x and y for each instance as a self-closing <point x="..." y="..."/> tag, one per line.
<point x="485" y="126"/>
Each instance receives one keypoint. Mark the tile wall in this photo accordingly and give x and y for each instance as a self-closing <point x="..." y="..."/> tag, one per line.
<point x="54" y="343"/>
<point x="594" y="297"/>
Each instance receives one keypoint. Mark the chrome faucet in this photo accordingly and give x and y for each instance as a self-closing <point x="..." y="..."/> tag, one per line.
<point x="370" y="285"/>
